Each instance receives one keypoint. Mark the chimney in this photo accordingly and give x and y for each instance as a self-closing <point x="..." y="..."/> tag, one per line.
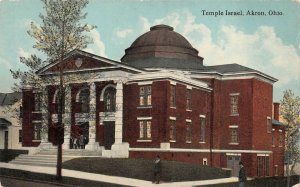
<point x="276" y="111"/>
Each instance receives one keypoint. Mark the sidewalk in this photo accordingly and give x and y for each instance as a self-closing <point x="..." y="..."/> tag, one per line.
<point x="111" y="179"/>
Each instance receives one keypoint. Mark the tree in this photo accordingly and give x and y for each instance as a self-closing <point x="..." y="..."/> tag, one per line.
<point x="60" y="32"/>
<point x="290" y="112"/>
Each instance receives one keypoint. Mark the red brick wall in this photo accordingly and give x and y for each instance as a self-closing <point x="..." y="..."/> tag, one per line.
<point x="28" y="106"/>
<point x="262" y="108"/>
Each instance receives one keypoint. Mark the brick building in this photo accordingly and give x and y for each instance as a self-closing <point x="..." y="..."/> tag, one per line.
<point x="160" y="99"/>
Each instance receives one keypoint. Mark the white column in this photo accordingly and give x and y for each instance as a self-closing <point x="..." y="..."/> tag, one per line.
<point x="119" y="148"/>
<point x="92" y="145"/>
<point x="67" y="118"/>
<point x="119" y="113"/>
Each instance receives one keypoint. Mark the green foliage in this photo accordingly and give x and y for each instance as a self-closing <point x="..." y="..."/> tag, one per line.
<point x="290" y="112"/>
<point x="61" y="31"/>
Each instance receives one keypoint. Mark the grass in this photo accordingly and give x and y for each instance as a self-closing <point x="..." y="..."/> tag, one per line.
<point x="143" y="169"/>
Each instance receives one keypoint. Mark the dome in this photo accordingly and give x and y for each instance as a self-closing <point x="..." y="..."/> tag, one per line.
<point x="162" y="47"/>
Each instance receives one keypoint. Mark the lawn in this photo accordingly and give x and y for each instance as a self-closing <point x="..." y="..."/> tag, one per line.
<point x="143" y="169"/>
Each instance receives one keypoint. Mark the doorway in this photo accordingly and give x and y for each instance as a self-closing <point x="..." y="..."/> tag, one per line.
<point x="79" y="136"/>
<point x="233" y="164"/>
<point x="109" y="134"/>
<point x="6" y="140"/>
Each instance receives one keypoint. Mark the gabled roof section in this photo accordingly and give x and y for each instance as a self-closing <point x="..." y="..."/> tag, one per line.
<point x="10" y="98"/>
<point x="233" y="70"/>
<point x="90" y="62"/>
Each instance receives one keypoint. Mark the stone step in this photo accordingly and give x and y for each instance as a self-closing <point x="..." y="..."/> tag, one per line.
<point x="32" y="163"/>
<point x="46" y="159"/>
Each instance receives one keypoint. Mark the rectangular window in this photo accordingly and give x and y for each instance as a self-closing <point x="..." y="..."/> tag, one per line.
<point x="173" y="96"/>
<point x="145" y="129"/>
<point x="188" y="131"/>
<point x="205" y="161"/>
<point x="267" y="166"/>
<point x="273" y="138"/>
<point x="202" y="129"/>
<point x="37" y="102"/>
<point x="173" y="130"/>
<point x="234" y="104"/>
<point x="280" y="139"/>
<point x="234" y="135"/>
<point x="189" y="99"/>
<point x="145" y="95"/>
<point x="20" y="136"/>
<point x="276" y="170"/>
<point x="263" y="166"/>
<point x="269" y="124"/>
<point x="258" y="166"/>
<point x="37" y="131"/>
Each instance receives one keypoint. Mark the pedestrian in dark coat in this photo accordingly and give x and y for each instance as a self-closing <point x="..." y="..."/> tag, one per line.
<point x="242" y="175"/>
<point x="157" y="170"/>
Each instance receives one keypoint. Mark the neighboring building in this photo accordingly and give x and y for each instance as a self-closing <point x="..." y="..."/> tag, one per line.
<point x="160" y="99"/>
<point x="10" y="124"/>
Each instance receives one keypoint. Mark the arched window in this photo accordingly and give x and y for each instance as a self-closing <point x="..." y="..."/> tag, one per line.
<point x="110" y="99"/>
<point x="84" y="100"/>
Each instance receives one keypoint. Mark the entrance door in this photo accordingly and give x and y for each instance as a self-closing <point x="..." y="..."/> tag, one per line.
<point x="109" y="134"/>
<point x="6" y="140"/>
<point x="233" y="164"/>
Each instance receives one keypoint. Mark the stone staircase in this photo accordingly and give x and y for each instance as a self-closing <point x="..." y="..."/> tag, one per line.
<point x="49" y="157"/>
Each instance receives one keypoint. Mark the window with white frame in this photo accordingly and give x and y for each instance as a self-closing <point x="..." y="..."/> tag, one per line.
<point x="189" y="99"/>
<point x="188" y="131"/>
<point x="145" y="95"/>
<point x="110" y="99"/>
<point x="145" y="129"/>
<point x="205" y="161"/>
<point x="38" y="101"/>
<point x="280" y="138"/>
<point x="84" y="100"/>
<point x="273" y="138"/>
<point x="202" y="128"/>
<point x="173" y="96"/>
<point x="234" y="135"/>
<point x="234" y="100"/>
<point x="172" y="130"/>
<point x="37" y="130"/>
<point x="269" y="124"/>
<point x="276" y="170"/>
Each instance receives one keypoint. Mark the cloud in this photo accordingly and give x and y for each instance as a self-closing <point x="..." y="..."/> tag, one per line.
<point x="23" y="53"/>
<point x="123" y="33"/>
<point x="98" y="46"/>
<point x="262" y="49"/>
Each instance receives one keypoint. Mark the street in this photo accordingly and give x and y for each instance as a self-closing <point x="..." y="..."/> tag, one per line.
<point x="12" y="182"/>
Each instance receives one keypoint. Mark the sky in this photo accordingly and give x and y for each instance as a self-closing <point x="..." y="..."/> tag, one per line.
<point x="269" y="43"/>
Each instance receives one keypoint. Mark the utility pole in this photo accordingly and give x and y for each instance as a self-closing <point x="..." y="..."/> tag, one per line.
<point x="60" y="130"/>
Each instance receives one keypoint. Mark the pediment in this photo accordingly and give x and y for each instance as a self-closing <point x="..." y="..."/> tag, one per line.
<point x="77" y="62"/>
<point x="81" y="61"/>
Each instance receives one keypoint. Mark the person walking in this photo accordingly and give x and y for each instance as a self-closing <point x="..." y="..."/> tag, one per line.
<point x="81" y="142"/>
<point x="242" y="175"/>
<point x="75" y="142"/>
<point x="157" y="170"/>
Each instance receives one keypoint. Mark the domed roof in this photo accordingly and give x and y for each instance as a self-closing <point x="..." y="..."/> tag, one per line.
<point x="161" y="35"/>
<point x="162" y="47"/>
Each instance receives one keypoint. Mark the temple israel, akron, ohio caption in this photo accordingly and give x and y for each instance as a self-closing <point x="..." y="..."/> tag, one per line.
<point x="241" y="13"/>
